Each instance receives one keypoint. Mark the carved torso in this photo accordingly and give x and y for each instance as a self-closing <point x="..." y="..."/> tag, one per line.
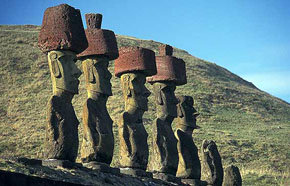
<point x="133" y="143"/>
<point x="165" y="157"/>
<point x="98" y="141"/>
<point x="189" y="165"/>
<point x="62" y="130"/>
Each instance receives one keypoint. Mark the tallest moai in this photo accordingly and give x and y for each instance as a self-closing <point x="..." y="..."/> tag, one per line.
<point x="61" y="37"/>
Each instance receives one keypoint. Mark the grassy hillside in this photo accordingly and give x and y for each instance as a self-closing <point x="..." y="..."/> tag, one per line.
<point x="250" y="127"/>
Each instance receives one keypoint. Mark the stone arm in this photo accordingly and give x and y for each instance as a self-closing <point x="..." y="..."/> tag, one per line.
<point x="161" y="140"/>
<point x="54" y="117"/>
<point x="89" y="123"/>
<point x="180" y="139"/>
<point x="124" y="134"/>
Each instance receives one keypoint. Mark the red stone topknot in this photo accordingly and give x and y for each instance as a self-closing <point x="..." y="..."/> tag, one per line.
<point x="62" y="29"/>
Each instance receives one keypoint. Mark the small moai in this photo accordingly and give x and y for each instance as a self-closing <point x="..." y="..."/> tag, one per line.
<point x="133" y="66"/>
<point x="211" y="167"/>
<point x="189" y="168"/>
<point x="170" y="73"/>
<point x="98" y="140"/>
<point x="232" y="176"/>
<point x="61" y="37"/>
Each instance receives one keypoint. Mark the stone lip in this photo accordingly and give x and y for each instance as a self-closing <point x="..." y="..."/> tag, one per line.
<point x="135" y="59"/>
<point x="169" y="69"/>
<point x="62" y="29"/>
<point x="101" y="42"/>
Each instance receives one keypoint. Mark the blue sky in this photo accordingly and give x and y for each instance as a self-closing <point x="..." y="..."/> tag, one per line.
<point x="251" y="38"/>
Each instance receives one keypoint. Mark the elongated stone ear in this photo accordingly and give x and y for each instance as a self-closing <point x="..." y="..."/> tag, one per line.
<point x="179" y="111"/>
<point x="159" y="98"/>
<point x="91" y="77"/>
<point x="126" y="84"/>
<point x="158" y="95"/>
<point x="54" y="65"/>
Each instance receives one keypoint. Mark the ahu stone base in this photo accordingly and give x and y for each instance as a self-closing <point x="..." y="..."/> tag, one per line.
<point x="166" y="177"/>
<point x="136" y="172"/>
<point x="101" y="167"/>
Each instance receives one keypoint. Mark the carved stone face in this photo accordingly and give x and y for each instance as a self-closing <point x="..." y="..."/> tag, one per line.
<point x="97" y="75"/>
<point x="186" y="112"/>
<point x="165" y="97"/>
<point x="134" y="90"/>
<point x="185" y="109"/>
<point x="64" y="72"/>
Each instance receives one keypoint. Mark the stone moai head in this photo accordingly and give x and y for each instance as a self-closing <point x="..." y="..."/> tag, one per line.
<point x="62" y="36"/>
<point x="134" y="91"/>
<point x="95" y="59"/>
<point x="170" y="73"/>
<point x="165" y="99"/>
<point x="97" y="75"/>
<point x="133" y="65"/>
<point x="186" y="113"/>
<point x="64" y="72"/>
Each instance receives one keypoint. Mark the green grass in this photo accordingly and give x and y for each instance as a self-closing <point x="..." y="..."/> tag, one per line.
<point x="250" y="127"/>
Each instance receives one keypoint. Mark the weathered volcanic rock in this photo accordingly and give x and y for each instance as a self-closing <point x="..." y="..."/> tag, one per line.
<point x="14" y="179"/>
<point x="133" y="59"/>
<point x="165" y="153"/>
<point x="62" y="140"/>
<point x="180" y="72"/>
<point x="189" y="164"/>
<point x="212" y="168"/>
<point x="165" y="50"/>
<point x="232" y="176"/>
<point x="101" y="42"/>
<point x="62" y="29"/>
<point x="98" y="137"/>
<point x="94" y="21"/>
<point x="169" y="68"/>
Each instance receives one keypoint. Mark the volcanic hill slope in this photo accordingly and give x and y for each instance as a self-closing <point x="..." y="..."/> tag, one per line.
<point x="250" y="127"/>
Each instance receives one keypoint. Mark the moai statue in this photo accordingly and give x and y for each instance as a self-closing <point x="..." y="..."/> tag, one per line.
<point x="189" y="168"/>
<point x="232" y="176"/>
<point x="62" y="36"/>
<point x="170" y="73"/>
<point x="212" y="169"/>
<point x="98" y="139"/>
<point x="132" y="66"/>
